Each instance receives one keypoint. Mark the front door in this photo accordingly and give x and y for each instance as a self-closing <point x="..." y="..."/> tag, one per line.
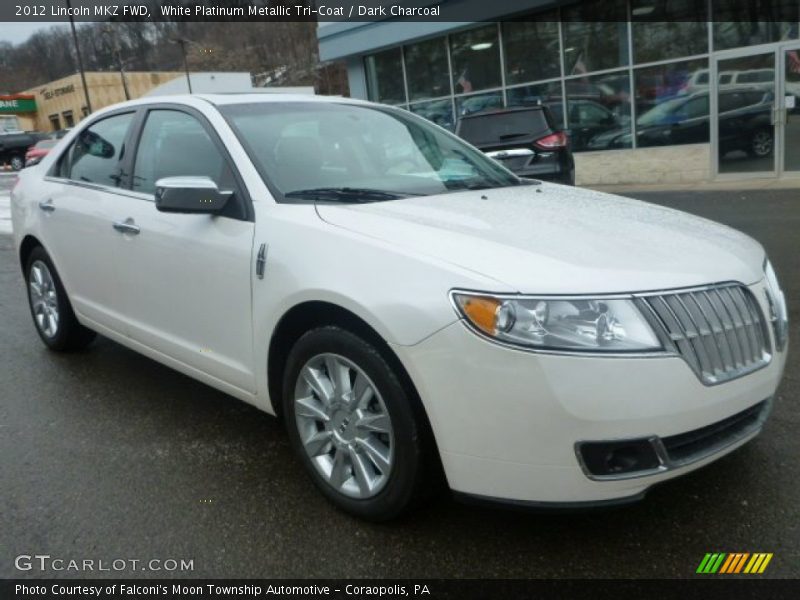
<point x="187" y="277"/>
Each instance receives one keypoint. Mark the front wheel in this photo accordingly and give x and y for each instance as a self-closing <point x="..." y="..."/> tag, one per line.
<point x="52" y="313"/>
<point x="17" y="163"/>
<point x="353" y="425"/>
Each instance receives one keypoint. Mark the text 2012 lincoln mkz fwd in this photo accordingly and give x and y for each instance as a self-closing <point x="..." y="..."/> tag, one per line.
<point x="414" y="311"/>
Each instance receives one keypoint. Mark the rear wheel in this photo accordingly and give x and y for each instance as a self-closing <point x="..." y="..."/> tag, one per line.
<point x="17" y="162"/>
<point x="353" y="425"/>
<point x="52" y="313"/>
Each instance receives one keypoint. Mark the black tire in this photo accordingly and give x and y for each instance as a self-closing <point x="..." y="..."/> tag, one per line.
<point x="69" y="335"/>
<point x="17" y="162"/>
<point x="412" y="476"/>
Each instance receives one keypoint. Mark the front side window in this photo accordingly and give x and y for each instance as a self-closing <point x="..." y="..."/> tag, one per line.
<point x="322" y="151"/>
<point x="175" y="144"/>
<point x="96" y="154"/>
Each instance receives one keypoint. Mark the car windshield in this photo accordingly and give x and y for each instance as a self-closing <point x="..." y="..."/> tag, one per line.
<point x="45" y="144"/>
<point x="337" y="152"/>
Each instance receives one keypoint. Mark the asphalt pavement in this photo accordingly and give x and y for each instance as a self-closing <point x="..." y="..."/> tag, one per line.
<point x="108" y="455"/>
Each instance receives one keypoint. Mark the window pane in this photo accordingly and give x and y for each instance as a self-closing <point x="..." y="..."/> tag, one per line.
<point x="592" y="45"/>
<point x="426" y="70"/>
<point x="174" y="144"/>
<point x="598" y="112"/>
<point x="548" y="94"/>
<point x="468" y="105"/>
<point x="531" y="49"/>
<point x="748" y="22"/>
<point x="476" y="60"/>
<point x="668" y="29"/>
<point x="672" y="105"/>
<point x="385" y="77"/>
<point x="95" y="154"/>
<point x="438" y="111"/>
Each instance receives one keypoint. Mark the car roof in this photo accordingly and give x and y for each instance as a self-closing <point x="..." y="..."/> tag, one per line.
<point x="197" y="100"/>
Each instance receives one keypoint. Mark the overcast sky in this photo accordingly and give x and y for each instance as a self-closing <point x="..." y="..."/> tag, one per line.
<point x="19" y="32"/>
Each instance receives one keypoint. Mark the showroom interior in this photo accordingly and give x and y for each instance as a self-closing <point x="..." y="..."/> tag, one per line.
<point x="679" y="91"/>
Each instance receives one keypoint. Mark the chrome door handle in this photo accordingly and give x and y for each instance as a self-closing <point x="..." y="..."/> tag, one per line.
<point x="126" y="226"/>
<point x="47" y="206"/>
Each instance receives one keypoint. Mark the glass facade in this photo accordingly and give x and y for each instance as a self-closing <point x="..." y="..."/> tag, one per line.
<point x="638" y="78"/>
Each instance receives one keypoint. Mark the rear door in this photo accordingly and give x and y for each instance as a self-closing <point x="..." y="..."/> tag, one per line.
<point x="186" y="277"/>
<point x="77" y="207"/>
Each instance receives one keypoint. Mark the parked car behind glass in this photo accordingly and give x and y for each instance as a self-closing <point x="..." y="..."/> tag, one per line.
<point x="744" y="123"/>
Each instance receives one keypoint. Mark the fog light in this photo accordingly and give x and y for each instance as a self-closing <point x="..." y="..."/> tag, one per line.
<point x="623" y="457"/>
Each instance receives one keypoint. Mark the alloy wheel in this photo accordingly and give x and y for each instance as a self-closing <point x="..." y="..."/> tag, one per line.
<point x="762" y="143"/>
<point x="44" y="300"/>
<point x="344" y="426"/>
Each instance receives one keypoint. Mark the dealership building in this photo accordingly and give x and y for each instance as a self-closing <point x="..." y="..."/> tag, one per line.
<point x="656" y="91"/>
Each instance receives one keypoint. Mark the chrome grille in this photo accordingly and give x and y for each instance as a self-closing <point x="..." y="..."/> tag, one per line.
<point x="719" y="331"/>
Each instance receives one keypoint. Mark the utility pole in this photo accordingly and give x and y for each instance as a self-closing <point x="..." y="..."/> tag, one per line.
<point x="182" y="42"/>
<point x="117" y="49"/>
<point x="80" y="58"/>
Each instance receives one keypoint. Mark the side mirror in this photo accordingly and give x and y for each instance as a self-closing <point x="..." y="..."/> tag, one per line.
<point x="190" y="195"/>
<point x="96" y="145"/>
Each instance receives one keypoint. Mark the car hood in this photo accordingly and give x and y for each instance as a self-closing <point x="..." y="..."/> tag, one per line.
<point x="555" y="239"/>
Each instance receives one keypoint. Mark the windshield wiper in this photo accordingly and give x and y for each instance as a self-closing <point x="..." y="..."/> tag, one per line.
<point x="347" y="194"/>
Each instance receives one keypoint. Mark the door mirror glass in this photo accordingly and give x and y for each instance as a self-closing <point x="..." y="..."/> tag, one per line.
<point x="97" y="146"/>
<point x="195" y="194"/>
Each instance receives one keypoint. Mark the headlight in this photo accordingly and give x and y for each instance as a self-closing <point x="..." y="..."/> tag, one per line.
<point x="779" y="314"/>
<point x="559" y="324"/>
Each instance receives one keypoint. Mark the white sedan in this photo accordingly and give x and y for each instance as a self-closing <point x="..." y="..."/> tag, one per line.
<point x="415" y="312"/>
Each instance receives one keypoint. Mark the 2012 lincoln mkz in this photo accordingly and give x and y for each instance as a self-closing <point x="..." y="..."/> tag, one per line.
<point x="416" y="313"/>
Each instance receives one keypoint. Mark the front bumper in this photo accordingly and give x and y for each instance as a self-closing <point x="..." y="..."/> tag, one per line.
<point x="507" y="421"/>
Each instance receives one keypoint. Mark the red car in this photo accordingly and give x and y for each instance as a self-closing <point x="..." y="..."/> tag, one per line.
<point x="38" y="151"/>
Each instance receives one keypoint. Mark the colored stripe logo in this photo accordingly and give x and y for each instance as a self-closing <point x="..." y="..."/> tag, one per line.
<point x="734" y="563"/>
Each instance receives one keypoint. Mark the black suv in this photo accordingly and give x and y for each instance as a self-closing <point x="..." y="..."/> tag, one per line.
<point x="524" y="140"/>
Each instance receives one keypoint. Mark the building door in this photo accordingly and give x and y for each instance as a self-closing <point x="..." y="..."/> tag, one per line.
<point x="745" y="127"/>
<point x="756" y="115"/>
<point x="789" y="113"/>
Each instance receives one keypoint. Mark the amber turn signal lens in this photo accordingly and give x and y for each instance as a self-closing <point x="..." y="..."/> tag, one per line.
<point x="481" y="311"/>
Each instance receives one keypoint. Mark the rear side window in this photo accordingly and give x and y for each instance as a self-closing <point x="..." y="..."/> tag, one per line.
<point x="499" y="127"/>
<point x="175" y="144"/>
<point x="96" y="155"/>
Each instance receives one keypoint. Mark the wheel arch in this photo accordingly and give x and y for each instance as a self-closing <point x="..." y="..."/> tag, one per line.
<point x="29" y="242"/>
<point x="307" y="315"/>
